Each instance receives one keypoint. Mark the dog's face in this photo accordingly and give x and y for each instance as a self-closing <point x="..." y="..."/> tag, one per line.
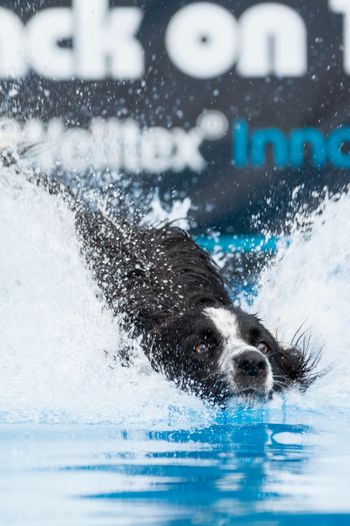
<point x="220" y="352"/>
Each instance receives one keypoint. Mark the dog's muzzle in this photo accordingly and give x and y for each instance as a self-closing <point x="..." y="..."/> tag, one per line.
<point x="251" y="373"/>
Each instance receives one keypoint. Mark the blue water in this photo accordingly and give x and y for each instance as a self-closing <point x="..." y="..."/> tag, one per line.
<point x="239" y="470"/>
<point x="84" y="441"/>
<point x="229" y="243"/>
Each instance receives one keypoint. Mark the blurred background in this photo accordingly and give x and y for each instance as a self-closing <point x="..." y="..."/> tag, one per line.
<point x="238" y="109"/>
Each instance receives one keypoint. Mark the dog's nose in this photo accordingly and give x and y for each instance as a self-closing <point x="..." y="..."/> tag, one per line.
<point x="251" y="363"/>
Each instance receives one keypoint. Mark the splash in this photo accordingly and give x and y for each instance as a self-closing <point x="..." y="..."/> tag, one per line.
<point x="58" y="341"/>
<point x="308" y="285"/>
<point x="177" y="213"/>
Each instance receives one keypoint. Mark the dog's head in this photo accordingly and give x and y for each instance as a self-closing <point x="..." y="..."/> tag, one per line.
<point x="219" y="352"/>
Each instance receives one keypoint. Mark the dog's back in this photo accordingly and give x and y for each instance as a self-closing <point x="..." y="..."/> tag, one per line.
<point x="148" y="273"/>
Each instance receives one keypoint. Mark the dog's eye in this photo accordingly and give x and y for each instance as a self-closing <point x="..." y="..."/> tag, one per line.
<point x="263" y="347"/>
<point x="201" y="348"/>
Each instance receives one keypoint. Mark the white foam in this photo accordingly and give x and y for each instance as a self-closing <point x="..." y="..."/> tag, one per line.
<point x="54" y="331"/>
<point x="309" y="284"/>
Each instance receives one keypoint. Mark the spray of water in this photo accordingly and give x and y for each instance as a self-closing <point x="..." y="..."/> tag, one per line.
<point x="58" y="341"/>
<point x="308" y="285"/>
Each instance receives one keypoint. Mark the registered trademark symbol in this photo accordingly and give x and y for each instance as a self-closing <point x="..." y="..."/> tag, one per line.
<point x="213" y="124"/>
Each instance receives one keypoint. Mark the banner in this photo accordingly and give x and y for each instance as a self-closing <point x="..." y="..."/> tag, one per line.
<point x="241" y="106"/>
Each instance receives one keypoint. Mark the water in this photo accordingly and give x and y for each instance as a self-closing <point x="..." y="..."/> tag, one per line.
<point x="239" y="471"/>
<point x="86" y="441"/>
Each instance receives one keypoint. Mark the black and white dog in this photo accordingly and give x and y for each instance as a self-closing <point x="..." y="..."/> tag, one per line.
<point x="174" y="298"/>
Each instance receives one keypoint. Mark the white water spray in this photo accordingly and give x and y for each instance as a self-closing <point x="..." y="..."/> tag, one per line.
<point x="309" y="285"/>
<point x="54" y="330"/>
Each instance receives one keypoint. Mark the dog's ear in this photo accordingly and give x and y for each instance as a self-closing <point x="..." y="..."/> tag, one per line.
<point x="299" y="365"/>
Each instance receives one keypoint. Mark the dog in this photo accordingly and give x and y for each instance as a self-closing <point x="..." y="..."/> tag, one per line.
<point x="174" y="299"/>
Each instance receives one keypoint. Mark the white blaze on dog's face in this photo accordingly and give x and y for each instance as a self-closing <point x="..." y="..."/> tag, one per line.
<point x="245" y="367"/>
